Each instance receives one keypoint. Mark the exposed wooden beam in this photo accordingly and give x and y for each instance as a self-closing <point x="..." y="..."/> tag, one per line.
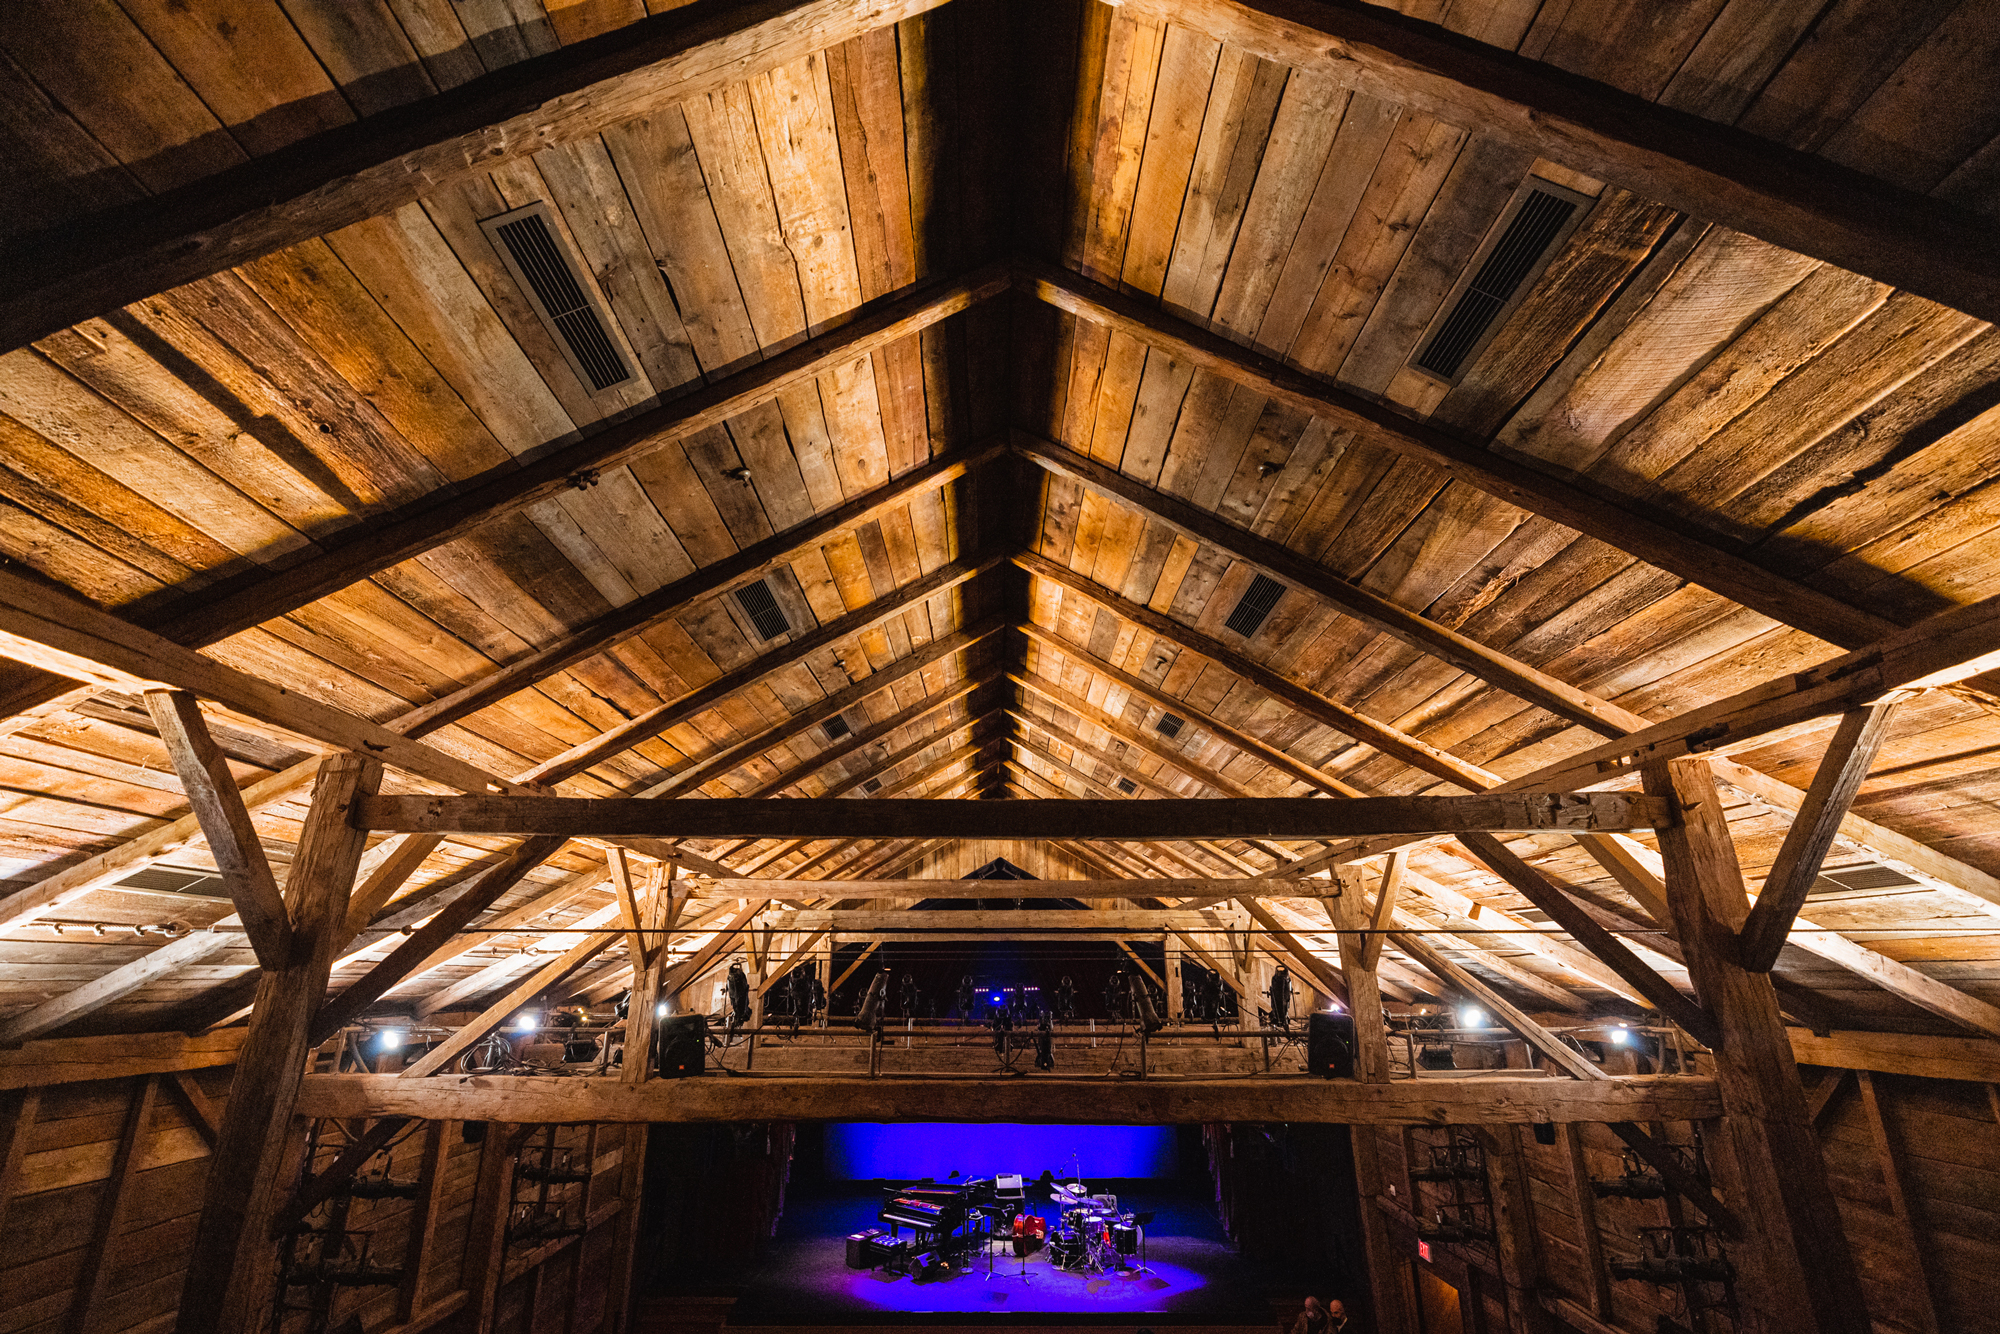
<point x="225" y="821"/>
<point x="910" y="891"/>
<point x="723" y="762"/>
<point x="1596" y="1276"/>
<point x="1627" y="527"/>
<point x="58" y="631"/>
<point x="1550" y="898"/>
<point x="494" y="1015"/>
<point x="1273" y="817"/>
<point x="501" y="969"/>
<point x="23" y="1110"/>
<point x="405" y="960"/>
<point x="1797" y="200"/>
<point x="1895" y="1184"/>
<point x="1488" y="1100"/>
<point x="201" y="1111"/>
<point x="1799" y="1273"/>
<point x="324" y="1184"/>
<point x="224" y="1286"/>
<point x="732" y="572"/>
<point x="1394" y="868"/>
<point x="1378" y="613"/>
<point x="391" y="874"/>
<point x="1294" y="769"/>
<point x="869" y="736"/>
<point x="1288" y="945"/>
<point x="651" y="722"/>
<point x="1388" y="739"/>
<point x="114" y="1205"/>
<point x="1510" y="1015"/>
<point x="55" y="1061"/>
<point x="1841" y="772"/>
<point x="380" y="162"/>
<point x="424" y="1217"/>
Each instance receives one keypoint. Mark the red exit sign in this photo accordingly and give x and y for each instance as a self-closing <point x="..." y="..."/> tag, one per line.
<point x="1424" y="1251"/>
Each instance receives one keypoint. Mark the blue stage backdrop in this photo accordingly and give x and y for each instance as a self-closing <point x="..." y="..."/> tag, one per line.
<point x="869" y="1150"/>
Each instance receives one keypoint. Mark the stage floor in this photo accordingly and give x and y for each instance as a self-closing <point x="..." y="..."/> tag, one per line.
<point x="1197" y="1277"/>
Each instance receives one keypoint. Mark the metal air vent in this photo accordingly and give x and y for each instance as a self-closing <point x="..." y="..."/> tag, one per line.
<point x="872" y="785"/>
<point x="836" y="727"/>
<point x="762" y="608"/>
<point x="1170" y="725"/>
<point x="1255" y="604"/>
<point x="1127" y="786"/>
<point x="1538" y="219"/>
<point x="567" y="301"/>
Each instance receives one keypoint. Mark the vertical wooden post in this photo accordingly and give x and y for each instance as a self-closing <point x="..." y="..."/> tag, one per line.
<point x="485" y="1262"/>
<point x="1387" y="1278"/>
<point x="1513" y="1228"/>
<point x="424" y="1216"/>
<point x="1583" y="1199"/>
<point x="642" y="1009"/>
<point x="625" y="1246"/>
<point x="1800" y="1277"/>
<point x="14" y="1146"/>
<point x="1364" y="993"/>
<point x="1895" y="1179"/>
<point x="1173" y="976"/>
<point x="233" y="1262"/>
<point x="111" y="1210"/>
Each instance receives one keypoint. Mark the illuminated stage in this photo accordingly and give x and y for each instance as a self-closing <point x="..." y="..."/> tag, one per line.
<point x="1196" y="1276"/>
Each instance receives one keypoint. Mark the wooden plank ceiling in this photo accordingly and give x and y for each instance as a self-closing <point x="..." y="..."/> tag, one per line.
<point x="202" y="441"/>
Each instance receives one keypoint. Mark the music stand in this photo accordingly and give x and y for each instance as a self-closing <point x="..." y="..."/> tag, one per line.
<point x="1019" y="1254"/>
<point x="1143" y="1221"/>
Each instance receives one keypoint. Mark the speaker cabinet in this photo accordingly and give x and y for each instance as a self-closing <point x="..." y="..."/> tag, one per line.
<point x="682" y="1045"/>
<point x="1330" y="1045"/>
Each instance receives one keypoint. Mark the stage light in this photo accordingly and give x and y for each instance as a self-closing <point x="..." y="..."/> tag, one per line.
<point x="1471" y="1017"/>
<point x="528" y="1022"/>
<point x="390" y="1038"/>
<point x="660" y="1010"/>
<point x="1621" y="1035"/>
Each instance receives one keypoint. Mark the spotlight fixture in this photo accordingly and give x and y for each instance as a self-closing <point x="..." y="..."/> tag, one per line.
<point x="1472" y="1017"/>
<point x="660" y="1010"/>
<point x="1621" y="1035"/>
<point x="390" y="1038"/>
<point x="528" y="1022"/>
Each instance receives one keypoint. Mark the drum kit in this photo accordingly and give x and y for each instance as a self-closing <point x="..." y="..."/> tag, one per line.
<point x="1093" y="1238"/>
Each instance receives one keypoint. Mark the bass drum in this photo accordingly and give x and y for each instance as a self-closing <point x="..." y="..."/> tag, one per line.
<point x="1067" y="1250"/>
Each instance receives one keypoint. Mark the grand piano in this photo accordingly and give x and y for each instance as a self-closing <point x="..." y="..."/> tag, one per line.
<point x="946" y="1220"/>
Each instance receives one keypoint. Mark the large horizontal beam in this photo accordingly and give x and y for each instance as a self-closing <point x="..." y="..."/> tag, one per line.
<point x="1713" y="171"/>
<point x="381" y="162"/>
<point x="1674" y="548"/>
<point x="1277" y="817"/>
<point x="1038" y="921"/>
<point x="1496" y="1100"/>
<point x="911" y="891"/>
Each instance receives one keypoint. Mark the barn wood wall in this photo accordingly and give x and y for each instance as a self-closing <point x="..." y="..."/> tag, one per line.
<point x="58" y="1193"/>
<point x="1946" y="1137"/>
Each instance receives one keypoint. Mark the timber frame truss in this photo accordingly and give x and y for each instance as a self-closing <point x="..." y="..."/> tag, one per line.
<point x="1284" y="861"/>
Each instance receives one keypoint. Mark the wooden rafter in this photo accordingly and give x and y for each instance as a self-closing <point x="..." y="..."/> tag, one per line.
<point x="1797" y="200"/>
<point x="732" y="572"/>
<point x="383" y="161"/>
<point x="651" y="722"/>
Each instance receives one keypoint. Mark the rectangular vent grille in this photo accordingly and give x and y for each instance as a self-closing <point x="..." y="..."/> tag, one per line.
<point x="1170" y="725"/>
<point x="1127" y="786"/>
<point x="541" y="263"/>
<point x="1541" y="217"/>
<point x="763" y="610"/>
<point x="836" y="728"/>
<point x="872" y="785"/>
<point x="1256" y="604"/>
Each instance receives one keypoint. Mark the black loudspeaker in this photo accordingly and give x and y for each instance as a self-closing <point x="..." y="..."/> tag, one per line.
<point x="682" y="1044"/>
<point x="1330" y="1045"/>
<point x="1545" y="1132"/>
<point x="860" y="1248"/>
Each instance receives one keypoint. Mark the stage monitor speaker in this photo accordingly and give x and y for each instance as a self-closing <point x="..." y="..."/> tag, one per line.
<point x="682" y="1044"/>
<point x="1330" y="1045"/>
